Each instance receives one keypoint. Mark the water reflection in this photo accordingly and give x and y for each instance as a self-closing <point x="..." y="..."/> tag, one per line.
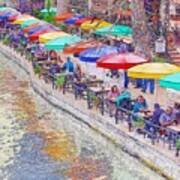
<point x="38" y="142"/>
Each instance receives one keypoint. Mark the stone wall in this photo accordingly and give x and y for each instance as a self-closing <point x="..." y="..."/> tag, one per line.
<point x="149" y="156"/>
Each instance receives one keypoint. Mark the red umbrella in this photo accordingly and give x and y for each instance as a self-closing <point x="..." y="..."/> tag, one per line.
<point x="81" y="46"/>
<point x="120" y="61"/>
<point x="82" y="20"/>
<point x="64" y="16"/>
<point x="35" y="36"/>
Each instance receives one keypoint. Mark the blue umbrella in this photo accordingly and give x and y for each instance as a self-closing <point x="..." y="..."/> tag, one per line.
<point x="6" y="15"/>
<point x="73" y="19"/>
<point x="41" y="27"/>
<point x="93" y="54"/>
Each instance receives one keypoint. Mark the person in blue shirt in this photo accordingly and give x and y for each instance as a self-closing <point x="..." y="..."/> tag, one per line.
<point x="69" y="66"/>
<point x="140" y="105"/>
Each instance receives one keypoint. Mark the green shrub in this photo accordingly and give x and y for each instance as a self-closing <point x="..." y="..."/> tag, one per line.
<point x="178" y="144"/>
<point x="37" y="69"/>
<point x="159" y="59"/>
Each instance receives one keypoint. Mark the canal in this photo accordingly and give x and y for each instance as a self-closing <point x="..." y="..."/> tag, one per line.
<point x="39" y="142"/>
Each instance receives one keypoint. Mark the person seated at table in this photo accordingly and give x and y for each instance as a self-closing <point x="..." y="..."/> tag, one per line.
<point x="78" y="72"/>
<point x="111" y="99"/>
<point x="140" y="105"/>
<point x="54" y="68"/>
<point x="158" y="111"/>
<point x="167" y="117"/>
<point x="123" y="99"/>
<point x="69" y="66"/>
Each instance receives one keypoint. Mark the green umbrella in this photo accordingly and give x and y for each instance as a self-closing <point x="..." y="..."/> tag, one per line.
<point x="116" y="30"/>
<point x="171" y="81"/>
<point x="61" y="43"/>
<point x="29" y="22"/>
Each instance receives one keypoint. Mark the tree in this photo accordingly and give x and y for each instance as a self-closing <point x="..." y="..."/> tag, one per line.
<point x="142" y="36"/>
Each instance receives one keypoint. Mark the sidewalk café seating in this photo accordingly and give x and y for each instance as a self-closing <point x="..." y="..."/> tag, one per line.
<point x="93" y="92"/>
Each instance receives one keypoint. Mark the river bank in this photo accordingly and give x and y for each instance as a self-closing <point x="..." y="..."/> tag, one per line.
<point x="145" y="153"/>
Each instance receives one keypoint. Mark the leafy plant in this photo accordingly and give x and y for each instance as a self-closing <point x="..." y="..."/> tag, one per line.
<point x="178" y="144"/>
<point x="37" y="69"/>
<point x="159" y="59"/>
<point x="139" y="123"/>
<point x="60" y="80"/>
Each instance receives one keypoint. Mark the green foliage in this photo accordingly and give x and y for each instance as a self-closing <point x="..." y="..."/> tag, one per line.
<point x="37" y="69"/>
<point x="159" y="59"/>
<point x="37" y="13"/>
<point x="60" y="80"/>
<point x="139" y="123"/>
<point x="178" y="144"/>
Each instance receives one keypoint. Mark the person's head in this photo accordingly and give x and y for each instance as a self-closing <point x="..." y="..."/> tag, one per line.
<point x="68" y="59"/>
<point x="156" y="106"/>
<point x="114" y="89"/>
<point x="169" y="110"/>
<point x="176" y="105"/>
<point x="141" y="99"/>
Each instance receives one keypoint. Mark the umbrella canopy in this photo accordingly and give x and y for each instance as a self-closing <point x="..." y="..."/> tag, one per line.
<point x="60" y="43"/>
<point x="22" y="19"/>
<point x="120" y="61"/>
<point x="152" y="70"/>
<point x="64" y="16"/>
<point x="41" y="27"/>
<point x="29" y="22"/>
<point x="50" y="36"/>
<point x="94" y="24"/>
<point x="115" y="30"/>
<point x="35" y="36"/>
<point x="72" y="20"/>
<point x="172" y="81"/>
<point x="83" y="20"/>
<point x="27" y="29"/>
<point x="93" y="54"/>
<point x="81" y="46"/>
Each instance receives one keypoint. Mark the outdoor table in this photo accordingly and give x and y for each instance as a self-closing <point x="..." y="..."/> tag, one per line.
<point x="97" y="92"/>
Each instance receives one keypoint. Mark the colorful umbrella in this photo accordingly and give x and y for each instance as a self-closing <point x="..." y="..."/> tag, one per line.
<point x="22" y="19"/>
<point x="81" y="46"/>
<point x="172" y="81"/>
<point x="27" y="29"/>
<point x="35" y="36"/>
<point x="93" y="54"/>
<point x="73" y="19"/>
<point x="94" y="24"/>
<point x="64" y="16"/>
<point x="60" y="43"/>
<point x="41" y="27"/>
<point x="152" y="70"/>
<point x="50" y="36"/>
<point x="29" y="22"/>
<point x="82" y="20"/>
<point x="120" y="61"/>
<point x="115" y="30"/>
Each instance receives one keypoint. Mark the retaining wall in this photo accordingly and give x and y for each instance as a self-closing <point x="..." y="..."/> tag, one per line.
<point x="148" y="155"/>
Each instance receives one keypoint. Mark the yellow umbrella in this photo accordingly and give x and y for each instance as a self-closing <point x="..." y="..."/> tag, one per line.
<point x="22" y="18"/>
<point x="96" y="24"/>
<point x="44" y="38"/>
<point x="152" y="70"/>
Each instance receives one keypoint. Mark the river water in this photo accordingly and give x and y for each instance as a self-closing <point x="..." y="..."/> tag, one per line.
<point x="39" y="142"/>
